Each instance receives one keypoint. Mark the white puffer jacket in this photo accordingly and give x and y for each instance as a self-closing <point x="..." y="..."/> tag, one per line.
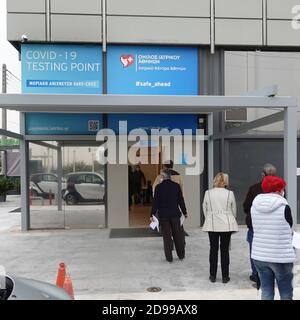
<point x="272" y="241"/>
<point x="219" y="209"/>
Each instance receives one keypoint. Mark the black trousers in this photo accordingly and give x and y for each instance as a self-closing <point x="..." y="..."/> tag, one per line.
<point x="214" y="238"/>
<point x="171" y="228"/>
<point x="137" y="196"/>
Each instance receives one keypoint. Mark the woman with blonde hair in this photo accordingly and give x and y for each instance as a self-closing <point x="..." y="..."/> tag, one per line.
<point x="219" y="209"/>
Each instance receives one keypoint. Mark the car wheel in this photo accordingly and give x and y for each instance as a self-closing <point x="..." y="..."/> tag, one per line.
<point x="71" y="199"/>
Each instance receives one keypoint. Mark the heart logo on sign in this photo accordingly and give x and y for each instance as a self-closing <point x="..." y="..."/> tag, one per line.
<point x="127" y="60"/>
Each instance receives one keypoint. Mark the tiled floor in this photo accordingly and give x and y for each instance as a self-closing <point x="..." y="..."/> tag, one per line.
<point x="139" y="215"/>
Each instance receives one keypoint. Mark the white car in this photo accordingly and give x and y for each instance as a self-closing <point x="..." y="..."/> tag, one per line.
<point x="42" y="184"/>
<point x="17" y="288"/>
<point x="84" y="187"/>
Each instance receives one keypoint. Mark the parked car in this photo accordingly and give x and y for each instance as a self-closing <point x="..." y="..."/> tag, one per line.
<point x="42" y="183"/>
<point x="84" y="187"/>
<point x="17" y="288"/>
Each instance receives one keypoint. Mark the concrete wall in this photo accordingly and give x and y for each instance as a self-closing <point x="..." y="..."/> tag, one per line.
<point x="28" y="6"/>
<point x="236" y="22"/>
<point x="250" y="71"/>
<point x="117" y="196"/>
<point x="192" y="190"/>
<point x="191" y="185"/>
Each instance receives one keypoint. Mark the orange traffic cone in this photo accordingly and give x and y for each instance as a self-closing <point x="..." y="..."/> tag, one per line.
<point x="61" y="275"/>
<point x="68" y="286"/>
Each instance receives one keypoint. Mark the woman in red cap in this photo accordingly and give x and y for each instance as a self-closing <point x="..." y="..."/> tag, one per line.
<point x="272" y="250"/>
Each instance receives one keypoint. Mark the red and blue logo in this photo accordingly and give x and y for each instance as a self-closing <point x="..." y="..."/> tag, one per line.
<point x="127" y="60"/>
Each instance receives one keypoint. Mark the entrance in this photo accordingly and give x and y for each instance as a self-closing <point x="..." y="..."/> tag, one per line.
<point x="141" y="178"/>
<point x="66" y="186"/>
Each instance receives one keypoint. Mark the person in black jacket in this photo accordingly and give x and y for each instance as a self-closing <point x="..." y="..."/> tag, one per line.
<point x="168" y="206"/>
<point x="139" y="181"/>
<point x="254" y="190"/>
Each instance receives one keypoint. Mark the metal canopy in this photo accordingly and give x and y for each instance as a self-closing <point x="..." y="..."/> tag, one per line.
<point x="78" y="103"/>
<point x="162" y="104"/>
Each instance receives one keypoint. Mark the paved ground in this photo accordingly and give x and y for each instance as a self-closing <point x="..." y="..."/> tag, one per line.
<point x="103" y="268"/>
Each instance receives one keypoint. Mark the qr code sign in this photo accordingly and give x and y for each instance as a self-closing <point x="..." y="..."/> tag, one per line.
<point x="94" y="125"/>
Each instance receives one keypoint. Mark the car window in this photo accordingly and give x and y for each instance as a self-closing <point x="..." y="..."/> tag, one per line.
<point x="81" y="178"/>
<point x="37" y="178"/>
<point x="97" y="180"/>
<point x="89" y="178"/>
<point x="51" y="178"/>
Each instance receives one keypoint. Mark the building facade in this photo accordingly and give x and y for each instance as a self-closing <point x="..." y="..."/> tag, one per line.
<point x="207" y="35"/>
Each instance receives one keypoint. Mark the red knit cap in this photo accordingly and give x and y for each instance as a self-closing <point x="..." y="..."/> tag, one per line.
<point x="272" y="184"/>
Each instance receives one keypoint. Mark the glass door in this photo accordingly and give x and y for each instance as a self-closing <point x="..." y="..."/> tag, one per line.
<point x="84" y="195"/>
<point x="66" y="186"/>
<point x="45" y="196"/>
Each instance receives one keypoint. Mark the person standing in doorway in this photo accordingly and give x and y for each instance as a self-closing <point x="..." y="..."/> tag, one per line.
<point x="272" y="250"/>
<point x="168" y="206"/>
<point x="138" y="181"/>
<point x="254" y="190"/>
<point x="219" y="209"/>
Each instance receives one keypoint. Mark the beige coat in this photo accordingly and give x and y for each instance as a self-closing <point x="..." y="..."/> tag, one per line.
<point x="219" y="209"/>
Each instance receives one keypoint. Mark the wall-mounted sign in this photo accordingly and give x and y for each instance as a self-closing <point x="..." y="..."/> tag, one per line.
<point x="9" y="142"/>
<point x="153" y="121"/>
<point x="51" y="68"/>
<point x="152" y="70"/>
<point x="63" y="123"/>
<point x="74" y="69"/>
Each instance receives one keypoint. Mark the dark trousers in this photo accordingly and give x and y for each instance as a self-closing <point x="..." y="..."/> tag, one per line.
<point x="250" y="240"/>
<point x="130" y="200"/>
<point x="214" y="249"/>
<point x="171" y="228"/>
<point x="137" y="196"/>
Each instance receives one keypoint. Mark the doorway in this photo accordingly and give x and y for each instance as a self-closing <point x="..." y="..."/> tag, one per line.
<point x="141" y="178"/>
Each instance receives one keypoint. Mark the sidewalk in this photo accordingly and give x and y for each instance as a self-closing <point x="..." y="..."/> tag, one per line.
<point x="10" y="220"/>
<point x="104" y="268"/>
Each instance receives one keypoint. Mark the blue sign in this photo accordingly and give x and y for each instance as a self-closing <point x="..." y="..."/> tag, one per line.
<point x="63" y="123"/>
<point x="152" y="70"/>
<point x="153" y="121"/>
<point x="49" y="68"/>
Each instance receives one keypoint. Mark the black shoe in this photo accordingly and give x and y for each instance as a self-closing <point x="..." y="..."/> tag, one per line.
<point x="225" y="279"/>
<point x="170" y="260"/>
<point x="212" y="279"/>
<point x="253" y="278"/>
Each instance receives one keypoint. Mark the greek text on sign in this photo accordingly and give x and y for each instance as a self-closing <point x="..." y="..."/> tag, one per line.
<point x="152" y="70"/>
